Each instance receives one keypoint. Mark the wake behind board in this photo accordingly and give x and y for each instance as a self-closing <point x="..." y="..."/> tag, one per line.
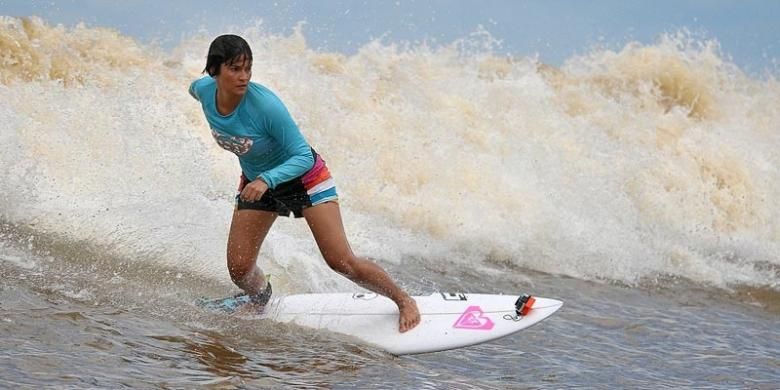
<point x="448" y="320"/>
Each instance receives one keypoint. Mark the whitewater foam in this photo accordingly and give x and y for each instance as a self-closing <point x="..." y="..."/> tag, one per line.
<point x="620" y="165"/>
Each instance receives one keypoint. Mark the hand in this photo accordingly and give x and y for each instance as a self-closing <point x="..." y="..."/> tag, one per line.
<point x="253" y="191"/>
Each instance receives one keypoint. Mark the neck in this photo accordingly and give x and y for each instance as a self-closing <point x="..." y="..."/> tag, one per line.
<point x="227" y="102"/>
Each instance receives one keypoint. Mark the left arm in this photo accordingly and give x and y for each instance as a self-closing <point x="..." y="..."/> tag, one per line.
<point x="285" y="132"/>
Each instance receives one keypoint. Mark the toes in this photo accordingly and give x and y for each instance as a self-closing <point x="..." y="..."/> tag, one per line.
<point x="407" y="324"/>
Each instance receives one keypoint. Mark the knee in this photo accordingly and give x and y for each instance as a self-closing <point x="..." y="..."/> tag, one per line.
<point x="344" y="264"/>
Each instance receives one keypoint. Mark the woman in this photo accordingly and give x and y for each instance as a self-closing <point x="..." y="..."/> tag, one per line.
<point x="281" y="174"/>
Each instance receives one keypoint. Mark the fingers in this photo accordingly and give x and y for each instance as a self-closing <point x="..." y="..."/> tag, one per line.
<point x="251" y="194"/>
<point x="246" y="195"/>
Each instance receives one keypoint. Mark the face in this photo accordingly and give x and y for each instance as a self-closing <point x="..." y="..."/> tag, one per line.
<point x="234" y="77"/>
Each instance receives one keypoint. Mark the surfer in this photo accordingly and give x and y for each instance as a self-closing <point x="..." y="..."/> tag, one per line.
<point x="281" y="174"/>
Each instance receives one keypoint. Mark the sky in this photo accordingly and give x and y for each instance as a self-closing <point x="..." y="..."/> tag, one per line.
<point x="748" y="30"/>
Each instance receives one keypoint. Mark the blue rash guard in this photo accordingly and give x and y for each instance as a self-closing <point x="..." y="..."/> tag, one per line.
<point x="259" y="131"/>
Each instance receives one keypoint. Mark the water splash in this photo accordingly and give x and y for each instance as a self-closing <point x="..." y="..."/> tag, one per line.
<point x="621" y="164"/>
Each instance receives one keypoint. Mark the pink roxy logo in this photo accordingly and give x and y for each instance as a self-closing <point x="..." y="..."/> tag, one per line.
<point x="474" y="318"/>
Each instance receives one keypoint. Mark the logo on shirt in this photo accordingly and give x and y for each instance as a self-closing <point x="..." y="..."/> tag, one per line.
<point x="238" y="145"/>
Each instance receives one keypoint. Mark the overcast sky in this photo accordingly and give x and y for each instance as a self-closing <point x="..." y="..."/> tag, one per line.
<point x="748" y="30"/>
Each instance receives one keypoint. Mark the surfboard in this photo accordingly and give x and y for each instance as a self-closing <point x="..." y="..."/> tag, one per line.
<point x="448" y="320"/>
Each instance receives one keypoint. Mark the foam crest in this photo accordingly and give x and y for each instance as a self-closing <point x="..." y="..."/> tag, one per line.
<point x="33" y="50"/>
<point x="624" y="165"/>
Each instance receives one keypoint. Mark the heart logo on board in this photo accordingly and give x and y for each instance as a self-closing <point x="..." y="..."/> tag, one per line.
<point x="474" y="318"/>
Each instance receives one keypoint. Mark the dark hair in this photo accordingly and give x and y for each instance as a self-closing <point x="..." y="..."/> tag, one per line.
<point x="226" y="49"/>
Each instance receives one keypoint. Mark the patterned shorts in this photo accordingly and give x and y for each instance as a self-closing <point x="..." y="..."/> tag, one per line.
<point x="314" y="187"/>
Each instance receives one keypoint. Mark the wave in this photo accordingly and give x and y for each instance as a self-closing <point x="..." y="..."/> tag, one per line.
<point x="627" y="165"/>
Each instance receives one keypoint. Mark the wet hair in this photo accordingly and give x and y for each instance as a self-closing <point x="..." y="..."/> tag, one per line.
<point x="226" y="49"/>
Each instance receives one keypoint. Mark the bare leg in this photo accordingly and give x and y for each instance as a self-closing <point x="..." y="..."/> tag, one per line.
<point x="325" y="223"/>
<point x="247" y="232"/>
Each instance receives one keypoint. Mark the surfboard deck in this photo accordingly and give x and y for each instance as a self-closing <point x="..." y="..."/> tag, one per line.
<point x="448" y="320"/>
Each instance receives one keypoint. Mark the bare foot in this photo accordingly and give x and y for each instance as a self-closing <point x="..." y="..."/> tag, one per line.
<point x="409" y="316"/>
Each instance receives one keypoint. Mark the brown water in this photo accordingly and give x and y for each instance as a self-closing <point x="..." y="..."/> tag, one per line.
<point x="96" y="322"/>
<point x="638" y="185"/>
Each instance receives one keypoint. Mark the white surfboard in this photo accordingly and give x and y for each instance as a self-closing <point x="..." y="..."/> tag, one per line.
<point x="448" y="320"/>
